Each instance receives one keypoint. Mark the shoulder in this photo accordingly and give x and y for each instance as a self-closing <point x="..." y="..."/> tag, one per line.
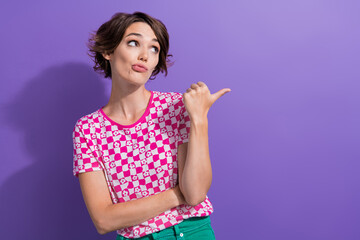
<point x="88" y="120"/>
<point x="171" y="98"/>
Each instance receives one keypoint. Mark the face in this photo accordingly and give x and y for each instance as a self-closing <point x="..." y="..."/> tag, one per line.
<point x="140" y="47"/>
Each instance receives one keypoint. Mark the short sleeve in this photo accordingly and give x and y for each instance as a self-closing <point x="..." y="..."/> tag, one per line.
<point x="83" y="158"/>
<point x="184" y="124"/>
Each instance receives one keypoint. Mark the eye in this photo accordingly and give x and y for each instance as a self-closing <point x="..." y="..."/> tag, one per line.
<point x="132" y="41"/>
<point x="156" y="50"/>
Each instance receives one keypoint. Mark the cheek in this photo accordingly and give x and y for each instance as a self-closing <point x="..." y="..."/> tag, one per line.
<point x="119" y="66"/>
<point x="124" y="57"/>
<point x="122" y="62"/>
<point x="155" y="61"/>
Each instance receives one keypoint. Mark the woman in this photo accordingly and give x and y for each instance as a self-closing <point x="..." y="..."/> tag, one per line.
<point x="143" y="160"/>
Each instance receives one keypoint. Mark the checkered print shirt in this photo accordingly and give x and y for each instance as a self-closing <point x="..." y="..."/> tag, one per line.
<point x="140" y="159"/>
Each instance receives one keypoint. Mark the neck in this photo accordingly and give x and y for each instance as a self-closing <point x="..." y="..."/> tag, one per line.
<point x="127" y="102"/>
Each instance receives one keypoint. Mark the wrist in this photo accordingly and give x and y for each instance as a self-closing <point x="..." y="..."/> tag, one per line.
<point x="199" y="120"/>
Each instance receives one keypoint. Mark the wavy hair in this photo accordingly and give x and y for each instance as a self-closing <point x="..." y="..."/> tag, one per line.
<point x="109" y="35"/>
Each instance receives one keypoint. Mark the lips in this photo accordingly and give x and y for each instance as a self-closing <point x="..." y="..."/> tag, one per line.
<point x="139" y="68"/>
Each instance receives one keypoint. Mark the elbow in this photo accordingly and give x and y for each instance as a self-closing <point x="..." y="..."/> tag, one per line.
<point x="102" y="220"/>
<point x="101" y="226"/>
<point x="101" y="229"/>
<point x="195" y="200"/>
<point x="194" y="197"/>
<point x="105" y="225"/>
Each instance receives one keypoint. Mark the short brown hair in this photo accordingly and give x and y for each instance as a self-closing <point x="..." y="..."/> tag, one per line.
<point x="109" y="35"/>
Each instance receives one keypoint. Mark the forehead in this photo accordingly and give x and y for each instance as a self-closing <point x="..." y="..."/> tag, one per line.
<point x="140" y="28"/>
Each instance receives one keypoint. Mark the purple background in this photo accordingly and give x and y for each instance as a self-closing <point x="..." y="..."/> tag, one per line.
<point x="284" y="144"/>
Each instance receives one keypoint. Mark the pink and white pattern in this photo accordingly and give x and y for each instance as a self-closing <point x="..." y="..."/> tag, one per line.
<point x="140" y="159"/>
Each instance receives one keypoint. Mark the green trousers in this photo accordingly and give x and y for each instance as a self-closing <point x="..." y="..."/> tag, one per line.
<point x="195" y="228"/>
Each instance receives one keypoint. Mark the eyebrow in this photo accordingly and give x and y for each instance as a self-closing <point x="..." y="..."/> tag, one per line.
<point x="139" y="35"/>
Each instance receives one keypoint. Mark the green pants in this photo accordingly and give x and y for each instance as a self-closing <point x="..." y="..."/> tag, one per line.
<point x="195" y="228"/>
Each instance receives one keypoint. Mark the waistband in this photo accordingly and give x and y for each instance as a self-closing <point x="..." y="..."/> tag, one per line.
<point x="186" y="225"/>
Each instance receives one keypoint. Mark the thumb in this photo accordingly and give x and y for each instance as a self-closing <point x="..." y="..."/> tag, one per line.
<point x="219" y="93"/>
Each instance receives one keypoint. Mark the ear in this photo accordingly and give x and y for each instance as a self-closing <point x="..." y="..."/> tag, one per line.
<point x="106" y="56"/>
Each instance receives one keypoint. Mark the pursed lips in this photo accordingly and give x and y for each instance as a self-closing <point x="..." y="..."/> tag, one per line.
<point x="139" y="68"/>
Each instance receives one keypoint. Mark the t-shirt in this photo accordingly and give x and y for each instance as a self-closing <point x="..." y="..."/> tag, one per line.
<point x="140" y="159"/>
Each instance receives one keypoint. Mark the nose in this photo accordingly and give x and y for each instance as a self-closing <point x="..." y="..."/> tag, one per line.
<point x="143" y="55"/>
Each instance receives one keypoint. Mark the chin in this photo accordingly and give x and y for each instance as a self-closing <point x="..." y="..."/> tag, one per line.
<point x="139" y="82"/>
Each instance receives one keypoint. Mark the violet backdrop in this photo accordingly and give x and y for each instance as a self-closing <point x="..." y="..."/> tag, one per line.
<point x="284" y="143"/>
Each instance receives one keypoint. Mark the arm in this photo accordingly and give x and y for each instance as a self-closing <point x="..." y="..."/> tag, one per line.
<point x="108" y="217"/>
<point x="195" y="173"/>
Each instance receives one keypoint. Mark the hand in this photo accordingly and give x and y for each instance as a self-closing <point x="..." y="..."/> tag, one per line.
<point x="198" y="100"/>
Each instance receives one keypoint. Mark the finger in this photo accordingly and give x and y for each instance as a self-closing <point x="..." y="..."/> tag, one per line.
<point x="194" y="86"/>
<point x="219" y="93"/>
<point x="201" y="84"/>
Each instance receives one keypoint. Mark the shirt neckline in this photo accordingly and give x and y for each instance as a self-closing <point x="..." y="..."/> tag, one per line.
<point x="137" y="121"/>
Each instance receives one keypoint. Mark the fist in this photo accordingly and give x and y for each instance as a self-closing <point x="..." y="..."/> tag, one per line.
<point x="198" y="100"/>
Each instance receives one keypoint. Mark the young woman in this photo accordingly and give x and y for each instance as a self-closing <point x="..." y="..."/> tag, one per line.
<point x="143" y="159"/>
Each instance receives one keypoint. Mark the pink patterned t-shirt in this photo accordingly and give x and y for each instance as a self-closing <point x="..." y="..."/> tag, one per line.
<point x="140" y="159"/>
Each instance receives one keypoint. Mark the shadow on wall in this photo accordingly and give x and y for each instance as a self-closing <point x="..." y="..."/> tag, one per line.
<point x="44" y="201"/>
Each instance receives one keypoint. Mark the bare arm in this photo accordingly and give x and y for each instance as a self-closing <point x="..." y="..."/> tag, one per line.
<point x="195" y="173"/>
<point x="108" y="217"/>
